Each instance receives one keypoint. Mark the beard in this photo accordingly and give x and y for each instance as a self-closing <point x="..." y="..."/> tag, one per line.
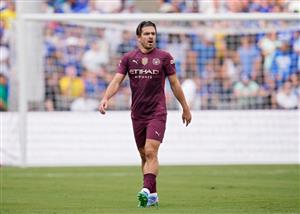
<point x="148" y="46"/>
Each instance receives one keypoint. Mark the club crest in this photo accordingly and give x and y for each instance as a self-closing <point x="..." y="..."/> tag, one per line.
<point x="145" y="61"/>
<point x="156" y="61"/>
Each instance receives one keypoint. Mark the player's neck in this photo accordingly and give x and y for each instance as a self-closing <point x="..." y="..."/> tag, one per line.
<point x="144" y="50"/>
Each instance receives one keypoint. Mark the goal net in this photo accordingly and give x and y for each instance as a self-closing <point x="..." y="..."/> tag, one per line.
<point x="236" y="61"/>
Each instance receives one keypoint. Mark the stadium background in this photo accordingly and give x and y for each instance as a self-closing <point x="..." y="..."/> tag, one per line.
<point x="222" y="64"/>
<point x="239" y="67"/>
<point x="57" y="58"/>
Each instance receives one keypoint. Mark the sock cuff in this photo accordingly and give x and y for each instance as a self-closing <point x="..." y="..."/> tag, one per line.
<point x="150" y="175"/>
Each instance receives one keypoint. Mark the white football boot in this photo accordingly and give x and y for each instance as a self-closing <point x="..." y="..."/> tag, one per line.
<point x="152" y="200"/>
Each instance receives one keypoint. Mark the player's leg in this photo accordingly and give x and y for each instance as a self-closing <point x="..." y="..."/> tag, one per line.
<point x="144" y="193"/>
<point x="151" y="170"/>
<point x="143" y="158"/>
<point x="155" y="134"/>
<point x="148" y="193"/>
<point x="139" y="129"/>
<point x="151" y="156"/>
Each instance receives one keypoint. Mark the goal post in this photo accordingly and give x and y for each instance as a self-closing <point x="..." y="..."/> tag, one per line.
<point x="161" y="17"/>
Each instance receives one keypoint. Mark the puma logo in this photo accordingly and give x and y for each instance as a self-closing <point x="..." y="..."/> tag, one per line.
<point x="157" y="133"/>
<point x="135" y="61"/>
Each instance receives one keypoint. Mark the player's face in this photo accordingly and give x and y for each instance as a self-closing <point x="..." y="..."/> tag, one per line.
<point x="148" y="38"/>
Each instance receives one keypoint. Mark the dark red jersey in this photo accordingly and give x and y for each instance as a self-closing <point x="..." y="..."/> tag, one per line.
<point x="147" y="74"/>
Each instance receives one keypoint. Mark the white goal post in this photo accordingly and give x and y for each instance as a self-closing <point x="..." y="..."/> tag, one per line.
<point x="160" y="17"/>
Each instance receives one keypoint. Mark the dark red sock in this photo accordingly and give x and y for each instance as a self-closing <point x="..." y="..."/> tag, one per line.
<point x="150" y="182"/>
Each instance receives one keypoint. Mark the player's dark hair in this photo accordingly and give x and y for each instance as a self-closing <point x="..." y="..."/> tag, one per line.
<point x="144" y="24"/>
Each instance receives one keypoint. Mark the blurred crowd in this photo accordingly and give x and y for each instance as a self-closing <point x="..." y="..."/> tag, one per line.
<point x="89" y="6"/>
<point x="255" y="71"/>
<point x="228" y="6"/>
<point x="217" y="70"/>
<point x="8" y="15"/>
<point x="171" y="6"/>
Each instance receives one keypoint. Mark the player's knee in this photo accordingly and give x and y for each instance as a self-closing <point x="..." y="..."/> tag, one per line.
<point x="150" y="154"/>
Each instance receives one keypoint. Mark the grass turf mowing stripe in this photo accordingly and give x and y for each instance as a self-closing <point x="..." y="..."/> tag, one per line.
<point x="241" y="189"/>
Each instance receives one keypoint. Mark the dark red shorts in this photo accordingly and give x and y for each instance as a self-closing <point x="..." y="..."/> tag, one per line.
<point x="148" y="129"/>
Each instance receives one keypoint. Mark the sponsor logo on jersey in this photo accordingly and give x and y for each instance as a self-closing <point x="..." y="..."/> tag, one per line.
<point x="145" y="61"/>
<point x="143" y="73"/>
<point x="156" y="61"/>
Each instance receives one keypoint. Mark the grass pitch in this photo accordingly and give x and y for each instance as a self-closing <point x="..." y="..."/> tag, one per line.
<point x="243" y="189"/>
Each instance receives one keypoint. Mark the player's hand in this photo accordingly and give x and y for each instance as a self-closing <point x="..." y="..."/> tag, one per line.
<point x="186" y="117"/>
<point x="103" y="106"/>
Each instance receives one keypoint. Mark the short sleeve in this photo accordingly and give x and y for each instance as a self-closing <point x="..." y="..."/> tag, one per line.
<point x="123" y="65"/>
<point x="169" y="65"/>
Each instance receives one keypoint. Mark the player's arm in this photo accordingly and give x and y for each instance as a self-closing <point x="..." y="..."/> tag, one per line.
<point x="112" y="88"/>
<point x="177" y="91"/>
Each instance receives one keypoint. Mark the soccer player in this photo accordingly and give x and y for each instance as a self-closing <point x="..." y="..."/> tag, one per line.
<point x="147" y="67"/>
